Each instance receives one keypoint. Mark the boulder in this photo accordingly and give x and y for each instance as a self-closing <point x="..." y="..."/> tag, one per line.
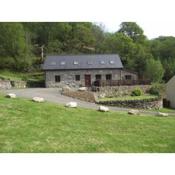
<point x="82" y="89"/>
<point x="134" y="112"/>
<point x="66" y="88"/>
<point x="103" y="108"/>
<point x="11" y="95"/>
<point x="161" y="114"/>
<point x="71" y="104"/>
<point x="38" y="99"/>
<point x="102" y="95"/>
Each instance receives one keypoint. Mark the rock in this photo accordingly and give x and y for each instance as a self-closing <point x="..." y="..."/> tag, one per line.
<point x="82" y="89"/>
<point x="71" y="104"/>
<point x="66" y="88"/>
<point x="102" y="95"/>
<point x="103" y="108"/>
<point x="133" y="112"/>
<point x="161" y="114"/>
<point x="11" y="95"/>
<point x="38" y="99"/>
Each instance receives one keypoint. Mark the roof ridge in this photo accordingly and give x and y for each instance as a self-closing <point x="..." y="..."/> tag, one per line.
<point x="82" y="54"/>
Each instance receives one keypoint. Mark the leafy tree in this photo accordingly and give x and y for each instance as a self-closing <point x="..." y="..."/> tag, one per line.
<point x="154" y="70"/>
<point x="14" y="45"/>
<point x="132" y="30"/>
<point x="163" y="48"/>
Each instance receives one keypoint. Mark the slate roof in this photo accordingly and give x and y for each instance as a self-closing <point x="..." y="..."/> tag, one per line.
<point x="71" y="62"/>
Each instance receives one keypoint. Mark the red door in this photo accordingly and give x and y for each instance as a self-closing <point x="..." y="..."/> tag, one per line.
<point x="87" y="80"/>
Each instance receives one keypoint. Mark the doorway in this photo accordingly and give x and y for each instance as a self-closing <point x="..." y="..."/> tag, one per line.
<point x="87" y="80"/>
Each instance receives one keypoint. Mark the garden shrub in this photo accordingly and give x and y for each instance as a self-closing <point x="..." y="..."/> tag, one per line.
<point x="137" y="92"/>
<point x="157" y="89"/>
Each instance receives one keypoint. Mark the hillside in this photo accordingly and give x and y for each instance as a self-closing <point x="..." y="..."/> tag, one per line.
<point x="24" y="46"/>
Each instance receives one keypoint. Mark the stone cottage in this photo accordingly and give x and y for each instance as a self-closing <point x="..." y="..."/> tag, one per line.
<point x="170" y="92"/>
<point x="84" y="70"/>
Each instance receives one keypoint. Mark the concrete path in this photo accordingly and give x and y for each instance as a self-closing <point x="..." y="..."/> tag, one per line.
<point x="53" y="95"/>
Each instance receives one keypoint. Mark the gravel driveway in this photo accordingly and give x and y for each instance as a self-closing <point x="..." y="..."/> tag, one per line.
<point x="53" y="95"/>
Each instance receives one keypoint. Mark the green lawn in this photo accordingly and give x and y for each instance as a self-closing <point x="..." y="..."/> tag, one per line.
<point x="12" y="75"/>
<point x="146" y="96"/>
<point x="169" y="110"/>
<point x="26" y="126"/>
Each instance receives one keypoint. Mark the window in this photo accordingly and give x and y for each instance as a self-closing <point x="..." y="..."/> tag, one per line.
<point x="111" y="62"/>
<point x="57" y="78"/>
<point x="75" y="62"/>
<point x="108" y="77"/>
<point x="128" y="77"/>
<point x="53" y="63"/>
<point x="102" y="62"/>
<point x="77" y="77"/>
<point x="98" y="77"/>
<point x="62" y="63"/>
<point x="90" y="62"/>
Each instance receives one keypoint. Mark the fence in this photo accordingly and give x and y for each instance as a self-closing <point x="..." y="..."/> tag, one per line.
<point x="121" y="82"/>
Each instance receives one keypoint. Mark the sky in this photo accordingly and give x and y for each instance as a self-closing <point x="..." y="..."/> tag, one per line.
<point x="155" y="17"/>
<point x="152" y="29"/>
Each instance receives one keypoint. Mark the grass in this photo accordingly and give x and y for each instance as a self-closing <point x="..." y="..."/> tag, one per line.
<point x="9" y="75"/>
<point x="26" y="126"/>
<point x="12" y="75"/>
<point x="123" y="98"/>
<point x="169" y="110"/>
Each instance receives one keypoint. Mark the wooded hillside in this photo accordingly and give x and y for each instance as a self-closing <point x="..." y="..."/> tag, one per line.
<point x="21" y="43"/>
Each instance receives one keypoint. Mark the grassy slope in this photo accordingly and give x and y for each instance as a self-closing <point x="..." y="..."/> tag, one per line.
<point x="26" y="126"/>
<point x="10" y="75"/>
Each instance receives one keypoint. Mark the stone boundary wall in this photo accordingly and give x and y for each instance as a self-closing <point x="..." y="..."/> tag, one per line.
<point x="112" y="91"/>
<point x="155" y="103"/>
<point x="18" y="84"/>
<point x="5" y="84"/>
<point x="81" y="95"/>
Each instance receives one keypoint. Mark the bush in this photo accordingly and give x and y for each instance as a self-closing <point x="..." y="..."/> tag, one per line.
<point x="137" y="92"/>
<point x="157" y="89"/>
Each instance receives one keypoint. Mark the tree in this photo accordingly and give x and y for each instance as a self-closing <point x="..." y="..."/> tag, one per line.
<point x="99" y="36"/>
<point x="163" y="48"/>
<point x="81" y="37"/>
<point x="12" y="39"/>
<point x="118" y="43"/>
<point x="132" y="30"/>
<point x="14" y="46"/>
<point x="154" y="70"/>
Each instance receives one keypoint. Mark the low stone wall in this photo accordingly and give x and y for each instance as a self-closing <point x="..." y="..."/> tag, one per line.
<point x="18" y="84"/>
<point x="114" y="91"/>
<point x="5" y="84"/>
<point x="139" y="104"/>
<point x="81" y="95"/>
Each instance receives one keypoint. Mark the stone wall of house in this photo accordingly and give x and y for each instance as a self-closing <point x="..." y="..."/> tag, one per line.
<point x="134" y="76"/>
<point x="5" y="84"/>
<point x="111" y="91"/>
<point x="68" y="76"/>
<point x="81" y="95"/>
<point x="140" y="104"/>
